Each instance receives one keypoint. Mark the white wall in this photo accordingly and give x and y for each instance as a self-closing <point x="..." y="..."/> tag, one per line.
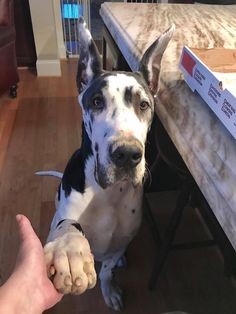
<point x="59" y="29"/>
<point x="48" y="36"/>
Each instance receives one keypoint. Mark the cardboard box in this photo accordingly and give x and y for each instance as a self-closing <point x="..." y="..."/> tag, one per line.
<point x="212" y="73"/>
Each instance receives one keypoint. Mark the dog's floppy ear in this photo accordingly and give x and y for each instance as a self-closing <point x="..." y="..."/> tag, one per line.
<point x="89" y="65"/>
<point x="150" y="65"/>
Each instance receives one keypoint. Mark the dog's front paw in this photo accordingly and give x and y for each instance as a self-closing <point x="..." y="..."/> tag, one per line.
<point x="70" y="263"/>
<point x="112" y="295"/>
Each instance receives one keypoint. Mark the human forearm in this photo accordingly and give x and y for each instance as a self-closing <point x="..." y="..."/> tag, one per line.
<point x="28" y="290"/>
<point x="16" y="297"/>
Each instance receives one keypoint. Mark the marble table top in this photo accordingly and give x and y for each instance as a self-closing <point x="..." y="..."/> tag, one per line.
<point x="205" y="145"/>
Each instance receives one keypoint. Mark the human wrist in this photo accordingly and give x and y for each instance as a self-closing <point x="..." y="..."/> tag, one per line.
<point x="16" y="297"/>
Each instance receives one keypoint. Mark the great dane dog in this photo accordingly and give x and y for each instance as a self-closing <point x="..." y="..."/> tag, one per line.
<point x="99" y="200"/>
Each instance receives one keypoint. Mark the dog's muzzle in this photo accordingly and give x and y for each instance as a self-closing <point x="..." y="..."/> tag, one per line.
<point x="125" y="157"/>
<point x="126" y="154"/>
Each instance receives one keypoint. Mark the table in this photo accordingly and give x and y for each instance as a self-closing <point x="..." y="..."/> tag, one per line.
<point x="207" y="148"/>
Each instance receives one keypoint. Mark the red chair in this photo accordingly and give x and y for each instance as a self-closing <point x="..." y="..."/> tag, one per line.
<point x="8" y="64"/>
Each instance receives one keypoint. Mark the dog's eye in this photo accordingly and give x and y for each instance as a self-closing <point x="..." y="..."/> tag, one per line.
<point x="144" y="105"/>
<point x="98" y="103"/>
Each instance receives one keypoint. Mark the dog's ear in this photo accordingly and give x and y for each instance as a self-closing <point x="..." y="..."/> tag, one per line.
<point x="89" y="65"/>
<point x="150" y="65"/>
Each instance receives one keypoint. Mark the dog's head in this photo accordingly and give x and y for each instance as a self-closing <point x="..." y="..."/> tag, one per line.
<point x="118" y="108"/>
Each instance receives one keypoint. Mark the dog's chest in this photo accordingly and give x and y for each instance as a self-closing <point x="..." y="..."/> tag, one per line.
<point x="112" y="218"/>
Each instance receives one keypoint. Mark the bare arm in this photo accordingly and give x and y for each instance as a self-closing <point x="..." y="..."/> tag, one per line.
<point x="28" y="290"/>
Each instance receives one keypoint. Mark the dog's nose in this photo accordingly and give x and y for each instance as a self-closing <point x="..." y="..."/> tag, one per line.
<point x="126" y="156"/>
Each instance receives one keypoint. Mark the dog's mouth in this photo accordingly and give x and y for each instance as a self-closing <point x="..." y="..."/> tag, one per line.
<point x="108" y="175"/>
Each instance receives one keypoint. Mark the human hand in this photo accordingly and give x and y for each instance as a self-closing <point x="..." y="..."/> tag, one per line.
<point x="30" y="270"/>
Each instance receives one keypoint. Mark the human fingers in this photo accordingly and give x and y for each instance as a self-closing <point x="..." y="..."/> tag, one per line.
<point x="25" y="229"/>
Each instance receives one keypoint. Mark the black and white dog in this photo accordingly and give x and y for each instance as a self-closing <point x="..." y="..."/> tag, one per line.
<point x="98" y="205"/>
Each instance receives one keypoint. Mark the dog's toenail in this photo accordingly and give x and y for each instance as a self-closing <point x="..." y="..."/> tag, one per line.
<point x="52" y="270"/>
<point x="68" y="281"/>
<point x="78" y="282"/>
<point x="90" y="277"/>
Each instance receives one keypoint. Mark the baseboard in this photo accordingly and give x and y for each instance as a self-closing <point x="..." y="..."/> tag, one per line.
<point x="48" y="67"/>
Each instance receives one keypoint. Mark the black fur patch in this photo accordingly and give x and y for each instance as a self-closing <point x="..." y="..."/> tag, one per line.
<point x="96" y="60"/>
<point x="102" y="176"/>
<point x="128" y="94"/>
<point x="60" y="222"/>
<point x="96" y="147"/>
<point x="103" y="84"/>
<point x="78" y="227"/>
<point x="74" y="176"/>
<point x="114" y="113"/>
<point x="141" y="80"/>
<point x="94" y="90"/>
<point x="59" y="192"/>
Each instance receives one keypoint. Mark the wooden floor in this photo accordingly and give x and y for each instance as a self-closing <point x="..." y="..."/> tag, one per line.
<point x="39" y="131"/>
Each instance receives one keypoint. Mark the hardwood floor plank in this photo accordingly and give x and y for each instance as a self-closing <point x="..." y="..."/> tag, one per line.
<point x="5" y="133"/>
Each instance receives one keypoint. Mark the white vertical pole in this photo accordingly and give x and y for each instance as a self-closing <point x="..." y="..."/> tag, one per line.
<point x="86" y="5"/>
<point x="69" y="28"/>
<point x="63" y="24"/>
<point x="75" y="42"/>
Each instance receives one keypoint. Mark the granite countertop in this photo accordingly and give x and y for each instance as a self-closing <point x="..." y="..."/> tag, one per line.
<point x="205" y="145"/>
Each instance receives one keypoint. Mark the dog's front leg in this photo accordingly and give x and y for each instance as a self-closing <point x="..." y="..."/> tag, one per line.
<point x="111" y="292"/>
<point x="69" y="260"/>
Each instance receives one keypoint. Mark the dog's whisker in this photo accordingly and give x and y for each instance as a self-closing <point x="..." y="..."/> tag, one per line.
<point x="147" y="175"/>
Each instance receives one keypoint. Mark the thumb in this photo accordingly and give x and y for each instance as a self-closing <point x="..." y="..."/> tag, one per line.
<point x="25" y="229"/>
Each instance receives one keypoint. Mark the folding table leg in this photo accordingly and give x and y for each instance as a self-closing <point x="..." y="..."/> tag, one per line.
<point x="171" y="229"/>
